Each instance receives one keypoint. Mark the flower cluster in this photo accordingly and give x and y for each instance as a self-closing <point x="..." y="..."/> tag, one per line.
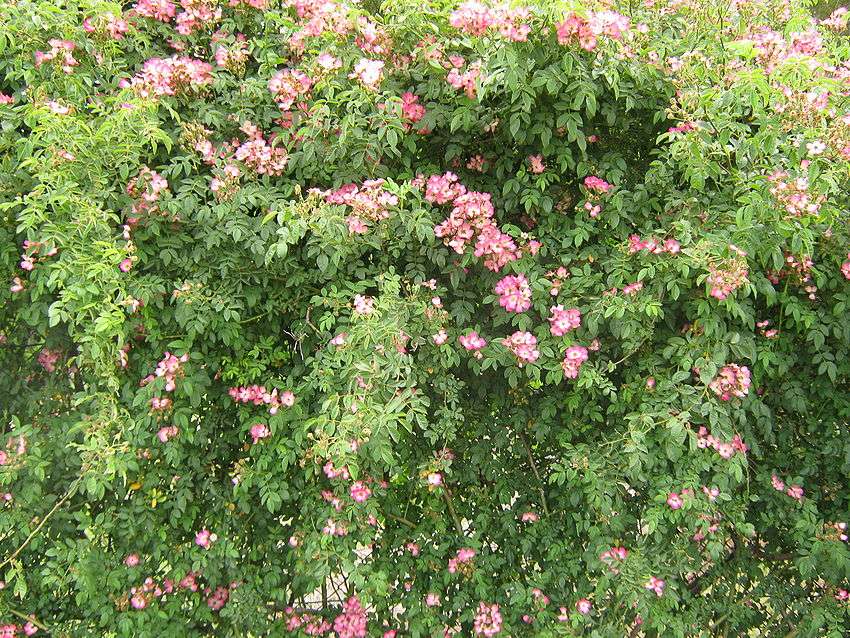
<point x="258" y="395"/>
<point x="596" y="184"/>
<point x="16" y="447"/>
<point x="364" y="305"/>
<point x="146" y="189"/>
<point x="652" y="245"/>
<point x="595" y="187"/>
<point x="655" y="585"/>
<point x="351" y="623"/>
<point x="259" y="431"/>
<point x="368" y="72"/>
<point x="108" y="24"/>
<point x="260" y="155"/>
<point x="477" y="163"/>
<point x="205" y="538"/>
<point x="837" y="20"/>
<point x="726" y="449"/>
<point x="464" y="556"/>
<point x="11" y="630"/>
<point x="465" y="80"/>
<point x="563" y="320"/>
<point x="310" y="624"/>
<point x="226" y="182"/>
<point x="799" y="270"/>
<point x="472" y="212"/>
<point x="140" y="597"/>
<point x="794" y="194"/>
<point x="536" y="164"/>
<point x="170" y="367"/>
<point x="289" y="85"/>
<point x="726" y="279"/>
<point x="322" y="16"/>
<point x="514" y="293"/>
<point x="61" y="52"/>
<point x="476" y="18"/>
<point x="162" y="10"/>
<point x="611" y="557"/>
<point x="368" y="201"/>
<point x="411" y="109"/>
<point x="684" y="127"/>
<point x="557" y="277"/>
<point x="488" y="620"/>
<point x="768" y="333"/>
<point x="772" y="49"/>
<point x="167" y="432"/>
<point x="845" y="267"/>
<point x="674" y="500"/>
<point x="794" y="491"/>
<point x="837" y="531"/>
<point x="332" y="472"/>
<point x="587" y="31"/>
<point x="171" y="76"/>
<point x="218" y="598"/>
<point x="732" y="381"/>
<point x="573" y="358"/>
<point x="442" y="189"/>
<point x="161" y="404"/>
<point x="232" y="58"/>
<point x="359" y="491"/>
<point x="47" y="359"/>
<point x="472" y="342"/>
<point x="524" y="347"/>
<point x="195" y="14"/>
<point x="371" y="37"/>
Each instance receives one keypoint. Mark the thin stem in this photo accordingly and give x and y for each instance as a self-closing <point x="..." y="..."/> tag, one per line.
<point x="59" y="503"/>
<point x="527" y="447"/>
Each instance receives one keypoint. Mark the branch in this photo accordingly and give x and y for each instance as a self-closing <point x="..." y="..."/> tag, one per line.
<point x="448" y="498"/>
<point x="400" y="519"/>
<point x="525" y="444"/>
<point x="59" y="503"/>
<point x="310" y="323"/>
<point x="22" y="616"/>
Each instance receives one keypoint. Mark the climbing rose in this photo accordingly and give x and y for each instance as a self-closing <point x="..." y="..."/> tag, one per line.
<point x="259" y="431"/>
<point x="732" y="381"/>
<point x="488" y="620"/>
<point x="472" y="341"/>
<point x="656" y="584"/>
<point x="524" y="347"/>
<point x="368" y="72"/>
<point x="562" y="321"/>
<point x="359" y="492"/>
<point x="514" y="293"/>
<point x="351" y="623"/>
<point x="573" y="358"/>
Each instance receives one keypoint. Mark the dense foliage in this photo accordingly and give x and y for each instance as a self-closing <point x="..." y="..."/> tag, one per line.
<point x="424" y="319"/>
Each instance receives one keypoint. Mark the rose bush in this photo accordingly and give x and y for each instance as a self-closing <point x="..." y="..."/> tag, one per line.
<point x="424" y="319"/>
